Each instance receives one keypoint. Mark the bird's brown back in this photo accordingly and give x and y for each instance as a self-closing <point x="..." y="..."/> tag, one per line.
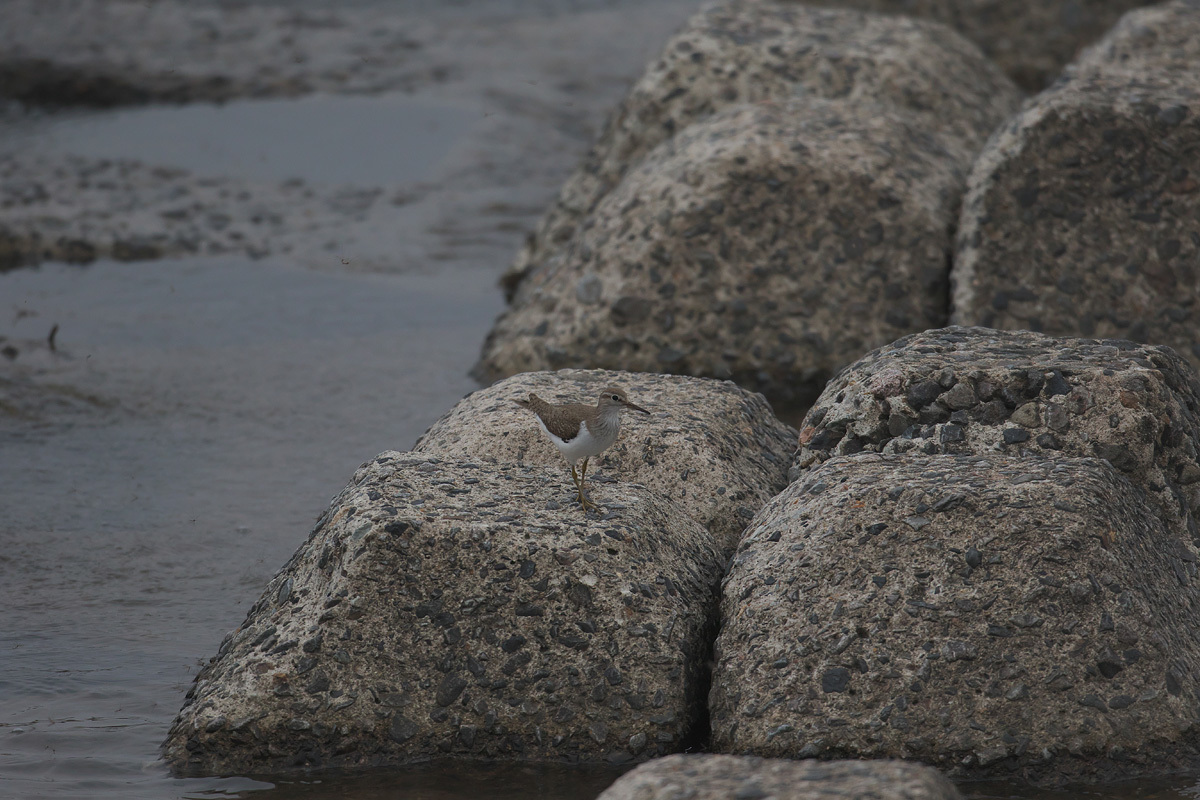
<point x="562" y="421"/>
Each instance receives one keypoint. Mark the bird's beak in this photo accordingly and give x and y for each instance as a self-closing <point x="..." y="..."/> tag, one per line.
<point x="633" y="407"/>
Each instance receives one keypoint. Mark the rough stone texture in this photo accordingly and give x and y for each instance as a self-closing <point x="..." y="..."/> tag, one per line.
<point x="1030" y="40"/>
<point x="713" y="448"/>
<point x="984" y="614"/>
<point x="1082" y="217"/>
<point x="741" y="248"/>
<point x="1156" y="37"/>
<point x="719" y="777"/>
<point x="444" y="608"/>
<point x="975" y="390"/>
<point x="740" y="52"/>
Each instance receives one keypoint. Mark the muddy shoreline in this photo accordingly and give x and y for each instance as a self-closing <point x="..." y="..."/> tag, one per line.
<point x="534" y="87"/>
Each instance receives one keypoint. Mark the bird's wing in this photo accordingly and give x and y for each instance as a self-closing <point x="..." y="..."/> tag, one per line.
<point x="562" y="421"/>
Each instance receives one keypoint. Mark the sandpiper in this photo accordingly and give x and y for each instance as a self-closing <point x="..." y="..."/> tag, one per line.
<point x="582" y="431"/>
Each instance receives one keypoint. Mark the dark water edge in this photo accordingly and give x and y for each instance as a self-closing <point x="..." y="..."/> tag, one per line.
<point x="1177" y="788"/>
<point x="264" y="140"/>
<point x="454" y="780"/>
<point x="451" y="780"/>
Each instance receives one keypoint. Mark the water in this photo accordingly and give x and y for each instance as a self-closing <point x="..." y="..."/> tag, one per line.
<point x="270" y="139"/>
<point x="226" y="402"/>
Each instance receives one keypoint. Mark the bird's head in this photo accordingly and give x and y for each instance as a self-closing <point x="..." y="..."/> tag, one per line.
<point x="613" y="396"/>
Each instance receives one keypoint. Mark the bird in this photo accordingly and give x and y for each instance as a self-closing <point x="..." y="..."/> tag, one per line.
<point x="581" y="431"/>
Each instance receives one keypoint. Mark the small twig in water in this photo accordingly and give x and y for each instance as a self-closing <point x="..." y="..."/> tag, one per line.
<point x="50" y="338"/>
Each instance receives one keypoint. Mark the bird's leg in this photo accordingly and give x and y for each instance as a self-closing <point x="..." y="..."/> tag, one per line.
<point x="584" y="501"/>
<point x="578" y="485"/>
<point x="587" y="501"/>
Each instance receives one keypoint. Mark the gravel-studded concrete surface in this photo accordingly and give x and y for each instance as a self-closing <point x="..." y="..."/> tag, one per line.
<point x="1082" y="214"/>
<point x="714" y="449"/>
<point x="1030" y="39"/>
<point x="741" y="248"/>
<point x="976" y="390"/>
<point x="984" y="614"/>
<point x="452" y="608"/>
<point x="719" y="777"/>
<point x="1156" y="37"/>
<point x="739" y="52"/>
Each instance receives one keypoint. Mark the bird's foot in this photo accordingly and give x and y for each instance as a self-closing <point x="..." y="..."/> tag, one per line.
<point x="587" y="503"/>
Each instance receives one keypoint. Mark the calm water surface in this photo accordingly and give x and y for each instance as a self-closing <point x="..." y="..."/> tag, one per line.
<point x="272" y="140"/>
<point x="202" y="414"/>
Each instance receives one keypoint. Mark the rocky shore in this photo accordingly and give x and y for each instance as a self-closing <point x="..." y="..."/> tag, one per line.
<point x="979" y="552"/>
<point x="1081" y="217"/>
<point x="807" y="165"/>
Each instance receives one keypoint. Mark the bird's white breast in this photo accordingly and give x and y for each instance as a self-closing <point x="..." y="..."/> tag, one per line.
<point x="584" y="445"/>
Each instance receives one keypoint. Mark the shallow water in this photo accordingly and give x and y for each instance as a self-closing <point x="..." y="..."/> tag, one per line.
<point x="273" y="140"/>
<point x="228" y="401"/>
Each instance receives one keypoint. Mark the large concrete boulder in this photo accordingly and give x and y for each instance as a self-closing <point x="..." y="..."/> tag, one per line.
<point x="1081" y="215"/>
<point x="1030" y="40"/>
<point x="740" y="51"/>
<point x="976" y="390"/>
<point x="770" y="244"/>
<point x="1156" y="37"/>
<point x="457" y="609"/>
<point x="984" y="614"/>
<point x="720" y="777"/>
<point x="714" y="449"/>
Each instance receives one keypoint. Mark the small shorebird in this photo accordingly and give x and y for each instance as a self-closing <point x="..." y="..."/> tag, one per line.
<point x="581" y="431"/>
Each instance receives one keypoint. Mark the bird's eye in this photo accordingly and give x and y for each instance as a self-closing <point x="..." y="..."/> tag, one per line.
<point x="616" y="397"/>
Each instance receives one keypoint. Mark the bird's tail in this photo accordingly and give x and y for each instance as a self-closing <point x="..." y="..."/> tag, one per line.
<point x="533" y="403"/>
